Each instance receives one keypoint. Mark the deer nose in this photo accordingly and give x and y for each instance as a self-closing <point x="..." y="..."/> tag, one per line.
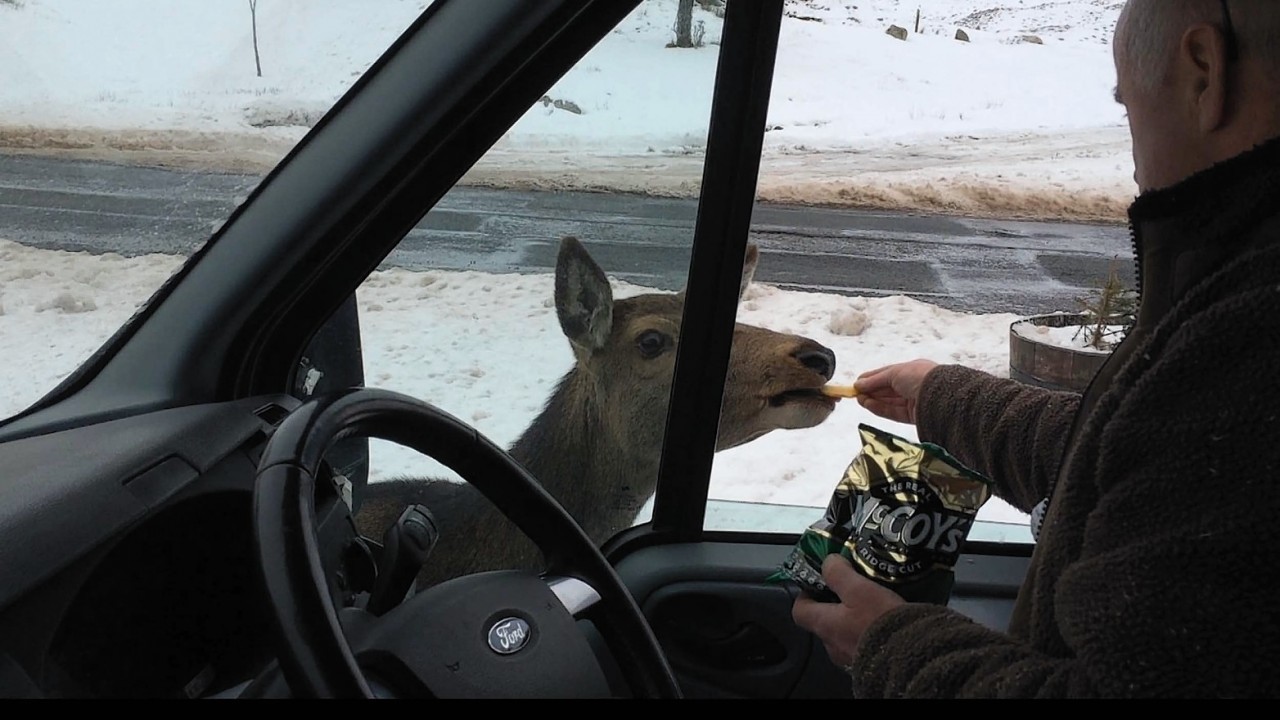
<point x="818" y="359"/>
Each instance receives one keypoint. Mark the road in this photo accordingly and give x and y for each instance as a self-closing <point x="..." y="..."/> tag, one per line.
<point x="961" y="264"/>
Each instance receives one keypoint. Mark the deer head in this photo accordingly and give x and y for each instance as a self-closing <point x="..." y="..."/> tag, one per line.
<point x="626" y="351"/>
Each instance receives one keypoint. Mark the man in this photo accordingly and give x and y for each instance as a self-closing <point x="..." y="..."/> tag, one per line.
<point x="1156" y="570"/>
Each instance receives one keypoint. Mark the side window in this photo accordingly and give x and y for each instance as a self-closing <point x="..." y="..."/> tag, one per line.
<point x="596" y="187"/>
<point x="924" y="185"/>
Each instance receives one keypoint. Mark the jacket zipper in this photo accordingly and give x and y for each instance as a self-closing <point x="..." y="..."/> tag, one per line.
<point x="1135" y="241"/>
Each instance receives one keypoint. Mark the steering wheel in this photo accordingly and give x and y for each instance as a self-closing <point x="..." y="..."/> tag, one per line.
<point x="504" y="633"/>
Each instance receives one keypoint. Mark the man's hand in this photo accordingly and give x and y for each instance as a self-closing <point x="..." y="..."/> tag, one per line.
<point x="892" y="391"/>
<point x="840" y="626"/>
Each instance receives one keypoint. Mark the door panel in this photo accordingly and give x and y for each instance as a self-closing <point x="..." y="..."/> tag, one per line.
<point x="729" y="634"/>
<point x="729" y="638"/>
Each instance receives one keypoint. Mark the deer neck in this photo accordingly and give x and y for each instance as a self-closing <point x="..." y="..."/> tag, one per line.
<point x="599" y="479"/>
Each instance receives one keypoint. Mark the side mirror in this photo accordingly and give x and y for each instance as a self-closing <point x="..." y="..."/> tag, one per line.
<point x="334" y="361"/>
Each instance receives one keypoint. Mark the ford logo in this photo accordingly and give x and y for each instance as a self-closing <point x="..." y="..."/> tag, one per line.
<point x="508" y="636"/>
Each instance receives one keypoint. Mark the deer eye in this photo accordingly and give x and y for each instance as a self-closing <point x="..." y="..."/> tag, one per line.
<point x="651" y="344"/>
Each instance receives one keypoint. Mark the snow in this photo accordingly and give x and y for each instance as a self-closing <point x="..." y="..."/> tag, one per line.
<point x="856" y="117"/>
<point x="452" y="339"/>
<point x="1071" y="336"/>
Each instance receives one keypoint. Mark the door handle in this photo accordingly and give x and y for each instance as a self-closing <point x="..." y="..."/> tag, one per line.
<point x="748" y="647"/>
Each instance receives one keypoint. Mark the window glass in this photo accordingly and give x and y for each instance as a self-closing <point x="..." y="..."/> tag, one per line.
<point x="933" y="172"/>
<point x="129" y="131"/>
<point x="464" y="313"/>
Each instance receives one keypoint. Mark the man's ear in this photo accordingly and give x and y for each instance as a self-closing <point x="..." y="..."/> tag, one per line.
<point x="1201" y="70"/>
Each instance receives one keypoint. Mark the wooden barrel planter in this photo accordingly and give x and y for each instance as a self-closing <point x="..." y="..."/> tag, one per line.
<point x="1039" y="361"/>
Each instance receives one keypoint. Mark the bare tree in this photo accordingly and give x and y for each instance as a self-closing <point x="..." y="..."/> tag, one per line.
<point x="253" y="14"/>
<point x="684" y="24"/>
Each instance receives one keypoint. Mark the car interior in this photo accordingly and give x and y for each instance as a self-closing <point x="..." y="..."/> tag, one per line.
<point x="179" y="516"/>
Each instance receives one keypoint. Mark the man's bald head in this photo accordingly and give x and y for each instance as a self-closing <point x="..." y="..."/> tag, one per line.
<point x="1199" y="89"/>
<point x="1150" y="31"/>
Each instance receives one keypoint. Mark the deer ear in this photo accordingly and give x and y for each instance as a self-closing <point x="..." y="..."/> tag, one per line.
<point x="584" y="301"/>
<point x="749" y="268"/>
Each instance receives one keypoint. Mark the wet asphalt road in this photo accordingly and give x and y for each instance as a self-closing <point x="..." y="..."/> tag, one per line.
<point x="962" y="264"/>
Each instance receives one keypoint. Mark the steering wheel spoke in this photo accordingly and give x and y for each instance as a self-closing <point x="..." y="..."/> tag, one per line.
<point x="577" y="596"/>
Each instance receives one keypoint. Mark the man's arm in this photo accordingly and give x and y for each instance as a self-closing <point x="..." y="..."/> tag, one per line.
<point x="1014" y="433"/>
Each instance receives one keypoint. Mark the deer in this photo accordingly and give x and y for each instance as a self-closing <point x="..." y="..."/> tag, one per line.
<point x="597" y="442"/>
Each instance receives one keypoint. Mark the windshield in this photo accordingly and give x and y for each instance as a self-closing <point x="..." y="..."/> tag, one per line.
<point x="129" y="131"/>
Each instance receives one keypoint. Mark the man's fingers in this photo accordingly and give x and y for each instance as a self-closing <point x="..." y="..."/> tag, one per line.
<point x="887" y="403"/>
<point x="897" y="412"/>
<point x="801" y="610"/>
<point x="827" y="621"/>
<point x="877" y="371"/>
<point x="809" y="613"/>
<point x="841" y="577"/>
<point x="855" y="590"/>
<point x="876" y="380"/>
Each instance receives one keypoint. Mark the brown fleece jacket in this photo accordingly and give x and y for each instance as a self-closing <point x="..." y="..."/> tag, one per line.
<point x="1156" y="571"/>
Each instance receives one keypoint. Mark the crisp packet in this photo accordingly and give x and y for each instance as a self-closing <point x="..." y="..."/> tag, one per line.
<point x="900" y="514"/>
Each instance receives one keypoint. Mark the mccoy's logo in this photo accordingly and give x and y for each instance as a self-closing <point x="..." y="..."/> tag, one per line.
<point x="910" y="526"/>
